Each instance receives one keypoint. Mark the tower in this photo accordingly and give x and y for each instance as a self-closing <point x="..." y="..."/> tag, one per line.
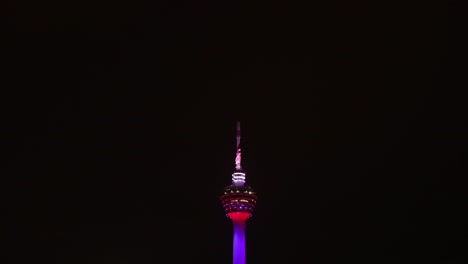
<point x="238" y="202"/>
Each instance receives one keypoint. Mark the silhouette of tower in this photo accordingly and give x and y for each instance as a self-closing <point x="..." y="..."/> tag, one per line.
<point x="238" y="202"/>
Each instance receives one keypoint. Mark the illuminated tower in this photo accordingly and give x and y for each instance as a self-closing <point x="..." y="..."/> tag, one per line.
<point x="238" y="202"/>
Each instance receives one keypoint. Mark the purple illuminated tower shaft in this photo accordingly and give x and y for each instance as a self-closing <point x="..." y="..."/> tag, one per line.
<point x="238" y="202"/>
<point x="238" y="245"/>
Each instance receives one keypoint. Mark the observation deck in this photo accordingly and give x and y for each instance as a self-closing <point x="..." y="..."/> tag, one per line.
<point x="238" y="199"/>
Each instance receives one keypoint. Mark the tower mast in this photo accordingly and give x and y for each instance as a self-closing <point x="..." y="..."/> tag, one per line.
<point x="238" y="177"/>
<point x="238" y="150"/>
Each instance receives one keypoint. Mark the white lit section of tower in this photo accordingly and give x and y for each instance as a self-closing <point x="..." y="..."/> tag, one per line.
<point x="238" y="177"/>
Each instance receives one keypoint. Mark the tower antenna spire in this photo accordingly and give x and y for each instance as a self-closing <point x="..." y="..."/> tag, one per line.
<point x="238" y="150"/>
<point x="238" y="133"/>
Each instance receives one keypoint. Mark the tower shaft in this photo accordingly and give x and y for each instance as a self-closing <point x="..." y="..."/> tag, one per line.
<point x="238" y="245"/>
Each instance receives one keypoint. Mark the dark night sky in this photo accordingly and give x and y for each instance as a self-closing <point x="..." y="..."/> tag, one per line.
<point x="118" y="123"/>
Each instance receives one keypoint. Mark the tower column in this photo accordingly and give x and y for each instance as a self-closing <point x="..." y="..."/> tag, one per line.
<point x="238" y="256"/>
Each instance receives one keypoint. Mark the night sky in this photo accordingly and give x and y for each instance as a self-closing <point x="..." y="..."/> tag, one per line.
<point x="118" y="123"/>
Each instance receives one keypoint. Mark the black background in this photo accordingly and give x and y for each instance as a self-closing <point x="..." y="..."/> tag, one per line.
<point x="118" y="123"/>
